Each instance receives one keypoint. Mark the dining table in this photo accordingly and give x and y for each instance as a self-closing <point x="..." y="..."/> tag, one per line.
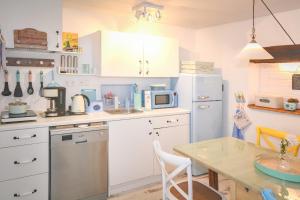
<point x="235" y="159"/>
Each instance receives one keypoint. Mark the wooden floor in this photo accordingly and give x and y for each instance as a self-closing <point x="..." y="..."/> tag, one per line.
<point x="154" y="192"/>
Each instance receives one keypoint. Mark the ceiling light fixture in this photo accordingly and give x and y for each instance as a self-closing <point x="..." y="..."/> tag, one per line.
<point x="253" y="49"/>
<point x="147" y="11"/>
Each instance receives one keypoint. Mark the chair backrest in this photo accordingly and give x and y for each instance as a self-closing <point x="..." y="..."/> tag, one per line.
<point x="181" y="164"/>
<point x="270" y="136"/>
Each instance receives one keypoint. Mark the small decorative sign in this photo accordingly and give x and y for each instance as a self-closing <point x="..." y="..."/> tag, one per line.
<point x="70" y="41"/>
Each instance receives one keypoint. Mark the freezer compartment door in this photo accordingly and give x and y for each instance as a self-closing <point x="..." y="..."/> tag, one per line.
<point x="207" y="88"/>
<point x="206" y="120"/>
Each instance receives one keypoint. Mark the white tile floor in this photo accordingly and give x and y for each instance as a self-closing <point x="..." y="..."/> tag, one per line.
<point x="154" y="192"/>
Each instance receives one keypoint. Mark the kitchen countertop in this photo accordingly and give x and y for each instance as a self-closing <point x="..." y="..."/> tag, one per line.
<point x="90" y="117"/>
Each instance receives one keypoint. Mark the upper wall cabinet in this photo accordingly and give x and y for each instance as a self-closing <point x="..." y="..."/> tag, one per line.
<point x="135" y="55"/>
<point x="43" y="15"/>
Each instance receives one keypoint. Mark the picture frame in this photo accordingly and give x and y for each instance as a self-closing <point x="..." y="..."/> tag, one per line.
<point x="2" y="52"/>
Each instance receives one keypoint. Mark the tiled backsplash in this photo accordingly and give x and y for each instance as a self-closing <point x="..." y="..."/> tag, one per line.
<point x="275" y="82"/>
<point x="74" y="84"/>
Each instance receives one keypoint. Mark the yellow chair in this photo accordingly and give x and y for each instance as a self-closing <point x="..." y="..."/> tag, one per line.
<point x="267" y="133"/>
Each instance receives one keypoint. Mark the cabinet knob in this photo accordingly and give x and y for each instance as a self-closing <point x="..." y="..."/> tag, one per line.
<point x="147" y="62"/>
<point x="150" y="122"/>
<point x="147" y="72"/>
<point x="150" y="133"/>
<point x="157" y="133"/>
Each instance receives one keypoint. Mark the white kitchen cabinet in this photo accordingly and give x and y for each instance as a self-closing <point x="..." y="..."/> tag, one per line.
<point x="131" y="155"/>
<point x="23" y="161"/>
<point x="169" y="137"/>
<point x="28" y="188"/>
<point x="130" y="150"/>
<point x="161" y="57"/>
<point x="136" y="55"/>
<point x="23" y="137"/>
<point x="121" y="54"/>
<point x="43" y="15"/>
<point x="24" y="165"/>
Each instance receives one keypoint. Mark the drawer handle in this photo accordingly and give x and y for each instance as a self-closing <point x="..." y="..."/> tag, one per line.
<point x="25" y="162"/>
<point x="172" y="121"/>
<point x="25" y="194"/>
<point x="202" y="107"/>
<point x="24" y="137"/>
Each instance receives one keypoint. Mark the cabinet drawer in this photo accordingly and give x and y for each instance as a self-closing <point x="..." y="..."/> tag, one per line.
<point x="23" y="136"/>
<point x="17" y="162"/>
<point x="168" y="121"/>
<point x="29" y="188"/>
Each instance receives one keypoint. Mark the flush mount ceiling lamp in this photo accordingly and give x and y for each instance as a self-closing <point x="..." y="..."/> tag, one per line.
<point x="147" y="11"/>
<point x="254" y="50"/>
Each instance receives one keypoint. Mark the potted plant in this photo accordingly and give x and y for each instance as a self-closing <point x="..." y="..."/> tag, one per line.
<point x="283" y="154"/>
<point x="291" y="104"/>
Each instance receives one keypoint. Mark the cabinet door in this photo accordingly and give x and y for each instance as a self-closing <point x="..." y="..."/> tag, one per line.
<point x="161" y="57"/>
<point x="130" y="150"/>
<point x="121" y="54"/>
<point x="43" y="15"/>
<point x="168" y="138"/>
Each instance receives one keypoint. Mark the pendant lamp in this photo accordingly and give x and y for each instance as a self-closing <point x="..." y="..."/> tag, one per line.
<point x="254" y="50"/>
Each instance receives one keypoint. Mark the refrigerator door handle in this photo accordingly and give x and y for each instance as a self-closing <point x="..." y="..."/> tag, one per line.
<point x="203" y="107"/>
<point x="203" y="97"/>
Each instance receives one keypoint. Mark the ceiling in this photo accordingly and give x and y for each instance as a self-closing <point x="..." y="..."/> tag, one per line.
<point x="190" y="13"/>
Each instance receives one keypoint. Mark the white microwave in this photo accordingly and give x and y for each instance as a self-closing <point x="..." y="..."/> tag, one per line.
<point x="156" y="99"/>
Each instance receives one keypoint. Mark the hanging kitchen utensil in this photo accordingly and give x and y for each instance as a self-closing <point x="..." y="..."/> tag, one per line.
<point x="6" y="91"/>
<point x="42" y="83"/>
<point x="30" y="89"/>
<point x="53" y="83"/>
<point x="18" y="90"/>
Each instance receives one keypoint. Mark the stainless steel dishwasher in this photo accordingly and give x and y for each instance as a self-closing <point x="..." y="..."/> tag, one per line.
<point x="79" y="162"/>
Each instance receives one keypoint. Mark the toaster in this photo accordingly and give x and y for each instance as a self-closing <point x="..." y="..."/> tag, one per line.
<point x="269" y="101"/>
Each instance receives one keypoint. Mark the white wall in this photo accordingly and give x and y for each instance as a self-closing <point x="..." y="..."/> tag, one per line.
<point x="86" y="20"/>
<point x="222" y="44"/>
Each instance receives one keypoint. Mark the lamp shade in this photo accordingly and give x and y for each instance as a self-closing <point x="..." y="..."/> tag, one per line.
<point x="254" y="50"/>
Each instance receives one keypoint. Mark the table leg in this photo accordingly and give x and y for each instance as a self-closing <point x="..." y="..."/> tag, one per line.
<point x="213" y="179"/>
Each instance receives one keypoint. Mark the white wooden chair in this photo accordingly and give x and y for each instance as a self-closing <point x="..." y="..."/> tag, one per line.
<point x="184" y="190"/>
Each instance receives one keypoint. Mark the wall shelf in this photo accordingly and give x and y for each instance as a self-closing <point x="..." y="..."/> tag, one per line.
<point x="278" y="110"/>
<point x="277" y="60"/>
<point x="30" y="50"/>
<point x="281" y="54"/>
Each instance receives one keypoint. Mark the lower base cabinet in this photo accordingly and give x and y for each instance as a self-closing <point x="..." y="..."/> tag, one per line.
<point x="28" y="188"/>
<point x="131" y="155"/>
<point x="244" y="193"/>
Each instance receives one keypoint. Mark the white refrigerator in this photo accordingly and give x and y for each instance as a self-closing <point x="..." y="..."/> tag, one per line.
<point x="202" y="94"/>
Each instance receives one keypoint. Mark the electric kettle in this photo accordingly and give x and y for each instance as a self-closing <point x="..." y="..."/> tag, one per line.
<point x="79" y="102"/>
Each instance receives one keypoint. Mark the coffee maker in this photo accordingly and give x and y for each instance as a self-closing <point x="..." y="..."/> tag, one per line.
<point x="56" y="101"/>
